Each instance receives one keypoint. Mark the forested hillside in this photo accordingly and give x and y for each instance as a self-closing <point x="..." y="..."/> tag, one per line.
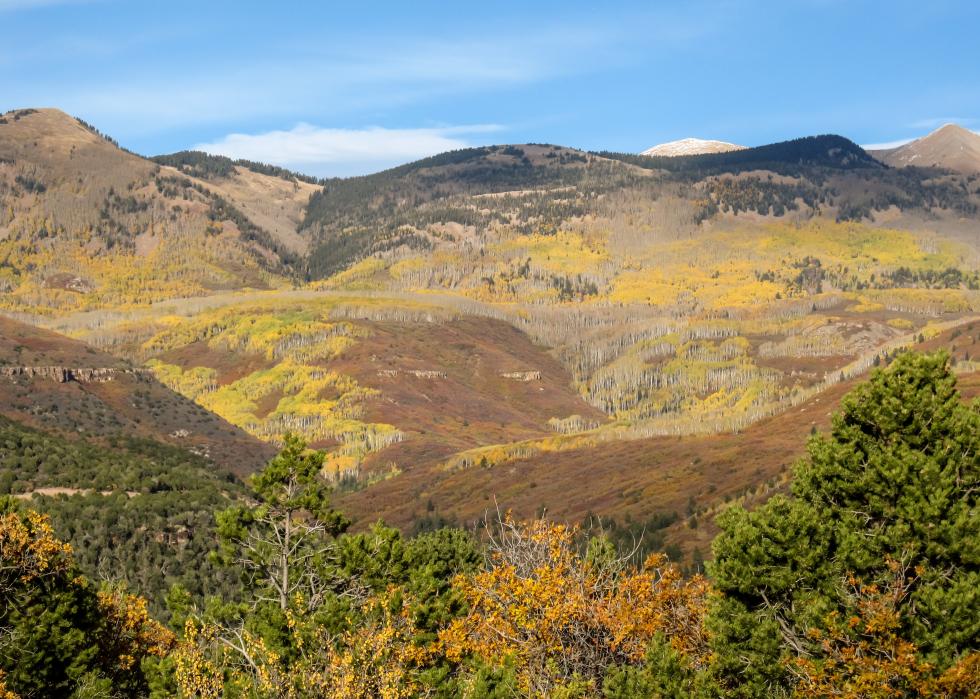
<point x="135" y="511"/>
<point x="83" y="222"/>
<point x="61" y="385"/>
<point x="859" y="582"/>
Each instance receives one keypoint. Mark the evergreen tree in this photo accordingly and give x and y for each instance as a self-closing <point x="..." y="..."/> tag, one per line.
<point x="60" y="635"/>
<point x="894" y="486"/>
<point x="280" y="541"/>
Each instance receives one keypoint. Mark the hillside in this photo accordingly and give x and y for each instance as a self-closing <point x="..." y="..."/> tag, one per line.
<point x="516" y="304"/>
<point x="85" y="223"/>
<point x="270" y="197"/>
<point x="135" y="510"/>
<point x="419" y="204"/>
<point x="950" y="147"/>
<point x="462" y="200"/>
<point x="690" y="146"/>
<point x="53" y="383"/>
<point x="352" y="375"/>
<point x="130" y="472"/>
<point x="681" y="481"/>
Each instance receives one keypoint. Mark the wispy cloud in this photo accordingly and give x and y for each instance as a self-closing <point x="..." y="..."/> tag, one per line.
<point x="936" y="122"/>
<point x="327" y="151"/>
<point x="887" y="144"/>
<point x="347" y="81"/>
<point x="11" y="5"/>
<point x="316" y="80"/>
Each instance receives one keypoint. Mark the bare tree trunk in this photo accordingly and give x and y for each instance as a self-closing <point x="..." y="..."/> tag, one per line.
<point x="284" y="566"/>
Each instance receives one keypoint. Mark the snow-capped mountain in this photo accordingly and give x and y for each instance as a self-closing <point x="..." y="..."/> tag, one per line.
<point x="691" y="146"/>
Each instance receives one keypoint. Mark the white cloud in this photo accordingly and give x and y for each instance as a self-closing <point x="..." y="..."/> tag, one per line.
<point x="887" y="144"/>
<point x="326" y="151"/>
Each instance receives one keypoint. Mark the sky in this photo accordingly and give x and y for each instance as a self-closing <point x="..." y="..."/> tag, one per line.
<point x="344" y="88"/>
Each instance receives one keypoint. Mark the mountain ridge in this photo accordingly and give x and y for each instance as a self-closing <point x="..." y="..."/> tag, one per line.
<point x="950" y="146"/>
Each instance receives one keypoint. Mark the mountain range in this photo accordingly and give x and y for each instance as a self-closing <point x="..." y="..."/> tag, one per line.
<point x="581" y="331"/>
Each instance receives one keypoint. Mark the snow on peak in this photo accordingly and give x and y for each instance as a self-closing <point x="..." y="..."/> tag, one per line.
<point x="691" y="146"/>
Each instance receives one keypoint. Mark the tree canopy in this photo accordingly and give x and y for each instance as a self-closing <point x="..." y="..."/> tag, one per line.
<point x="892" y="489"/>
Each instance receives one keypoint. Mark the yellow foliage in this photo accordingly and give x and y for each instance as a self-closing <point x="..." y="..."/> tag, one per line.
<point x="179" y="264"/>
<point x="361" y="276"/>
<point x="131" y="633"/>
<point x="560" y="616"/>
<point x="376" y="659"/>
<point x="196" y="672"/>
<point x="192" y="383"/>
<point x="901" y="323"/>
<point x="4" y="692"/>
<point x="564" y="252"/>
<point x="29" y="549"/>
<point x="267" y="330"/>
<point x="866" y="657"/>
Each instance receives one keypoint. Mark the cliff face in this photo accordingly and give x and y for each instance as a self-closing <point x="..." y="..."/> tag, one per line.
<point x="63" y="374"/>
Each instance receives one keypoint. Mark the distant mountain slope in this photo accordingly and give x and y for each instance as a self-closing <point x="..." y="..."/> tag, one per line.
<point x="789" y="157"/>
<point x="401" y="208"/>
<point x="951" y="147"/>
<point x="691" y="146"/>
<point x="355" y="217"/>
<point x="83" y="222"/>
<point x="272" y="198"/>
<point x="694" y="477"/>
<point x="54" y="383"/>
<point x="458" y="203"/>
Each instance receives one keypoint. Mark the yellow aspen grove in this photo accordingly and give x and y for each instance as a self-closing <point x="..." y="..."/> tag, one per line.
<point x="563" y="617"/>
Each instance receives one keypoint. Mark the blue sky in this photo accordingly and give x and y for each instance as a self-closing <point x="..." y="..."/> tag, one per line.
<point x="343" y="88"/>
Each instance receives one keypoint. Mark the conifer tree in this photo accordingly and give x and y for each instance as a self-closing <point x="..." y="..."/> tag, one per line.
<point x="895" y="485"/>
<point x="281" y="540"/>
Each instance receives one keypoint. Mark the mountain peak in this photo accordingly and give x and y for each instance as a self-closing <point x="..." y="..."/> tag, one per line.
<point x="951" y="128"/>
<point x="47" y="129"/>
<point x="691" y="146"/>
<point x="951" y="146"/>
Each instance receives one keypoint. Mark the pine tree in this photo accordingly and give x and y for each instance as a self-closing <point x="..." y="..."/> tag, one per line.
<point x="894" y="485"/>
<point x="281" y="540"/>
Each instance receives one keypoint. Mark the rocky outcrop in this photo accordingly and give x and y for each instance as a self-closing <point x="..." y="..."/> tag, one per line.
<point x="63" y="374"/>
<point x="417" y="373"/>
<point x="524" y="376"/>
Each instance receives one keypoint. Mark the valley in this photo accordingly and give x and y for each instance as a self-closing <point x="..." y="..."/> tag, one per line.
<point x="502" y="325"/>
